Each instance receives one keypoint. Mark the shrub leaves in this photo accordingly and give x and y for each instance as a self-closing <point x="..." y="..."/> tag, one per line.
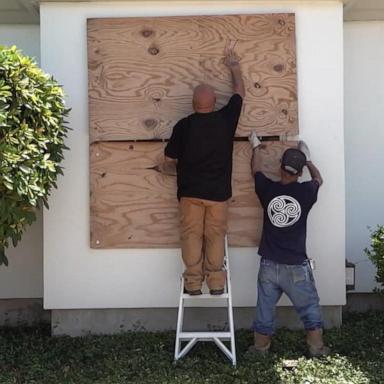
<point x="32" y="133"/>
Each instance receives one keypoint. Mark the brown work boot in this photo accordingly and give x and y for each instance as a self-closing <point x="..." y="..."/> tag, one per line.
<point x="216" y="292"/>
<point x="315" y="343"/>
<point x="261" y="344"/>
<point x="193" y="292"/>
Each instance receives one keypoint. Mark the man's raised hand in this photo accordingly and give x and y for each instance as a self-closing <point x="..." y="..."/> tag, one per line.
<point x="231" y="59"/>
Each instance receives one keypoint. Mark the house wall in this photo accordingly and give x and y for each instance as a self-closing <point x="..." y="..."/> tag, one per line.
<point x="364" y="138"/>
<point x="23" y="278"/>
<point x="25" y="37"/>
<point x="78" y="277"/>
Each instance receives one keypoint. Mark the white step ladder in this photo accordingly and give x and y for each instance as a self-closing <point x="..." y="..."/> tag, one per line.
<point x="217" y="337"/>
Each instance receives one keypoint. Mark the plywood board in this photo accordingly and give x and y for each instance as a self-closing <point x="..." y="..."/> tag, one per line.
<point x="142" y="72"/>
<point x="133" y="205"/>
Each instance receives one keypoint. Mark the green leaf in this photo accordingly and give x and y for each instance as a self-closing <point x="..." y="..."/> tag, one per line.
<point x="32" y="133"/>
<point x="8" y="185"/>
<point x="25" y="169"/>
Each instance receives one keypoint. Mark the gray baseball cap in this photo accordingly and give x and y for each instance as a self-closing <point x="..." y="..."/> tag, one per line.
<point x="293" y="161"/>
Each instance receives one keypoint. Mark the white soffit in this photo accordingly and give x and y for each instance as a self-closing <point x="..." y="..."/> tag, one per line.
<point x="363" y="10"/>
<point x="19" y="12"/>
<point x="27" y="11"/>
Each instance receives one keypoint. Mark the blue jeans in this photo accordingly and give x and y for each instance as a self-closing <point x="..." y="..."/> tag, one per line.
<point x="297" y="282"/>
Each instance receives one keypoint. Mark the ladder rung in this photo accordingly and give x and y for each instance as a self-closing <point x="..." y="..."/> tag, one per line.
<point x="204" y="335"/>
<point x="205" y="296"/>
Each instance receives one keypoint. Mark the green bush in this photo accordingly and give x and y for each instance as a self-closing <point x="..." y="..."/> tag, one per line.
<point x="376" y="253"/>
<point x="32" y="132"/>
<point x="32" y="356"/>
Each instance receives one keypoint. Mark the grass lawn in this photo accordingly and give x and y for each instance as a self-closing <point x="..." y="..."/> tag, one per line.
<point x="30" y="355"/>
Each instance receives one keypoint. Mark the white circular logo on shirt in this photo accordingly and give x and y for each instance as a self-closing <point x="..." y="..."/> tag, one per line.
<point x="284" y="211"/>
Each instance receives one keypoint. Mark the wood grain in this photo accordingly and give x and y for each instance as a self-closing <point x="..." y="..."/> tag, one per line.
<point x="133" y="205"/>
<point x="142" y="72"/>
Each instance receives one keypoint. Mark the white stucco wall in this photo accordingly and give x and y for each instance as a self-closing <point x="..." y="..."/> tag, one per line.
<point x="76" y="276"/>
<point x="25" y="37"/>
<point x="23" y="278"/>
<point x="364" y="138"/>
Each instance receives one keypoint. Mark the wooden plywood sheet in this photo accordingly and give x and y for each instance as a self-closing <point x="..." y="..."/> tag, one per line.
<point x="142" y="72"/>
<point x="134" y="205"/>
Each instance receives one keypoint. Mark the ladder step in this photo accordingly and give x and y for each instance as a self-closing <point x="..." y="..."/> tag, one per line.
<point x="205" y="296"/>
<point x="204" y="335"/>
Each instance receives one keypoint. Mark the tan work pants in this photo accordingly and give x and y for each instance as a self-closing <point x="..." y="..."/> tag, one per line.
<point x="203" y="229"/>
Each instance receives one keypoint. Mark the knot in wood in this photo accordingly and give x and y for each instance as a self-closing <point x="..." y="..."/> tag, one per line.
<point x="278" y="67"/>
<point x="153" y="50"/>
<point x="284" y="111"/>
<point x="257" y="85"/>
<point x="150" y="123"/>
<point x="281" y="22"/>
<point x="131" y="147"/>
<point x="147" y="32"/>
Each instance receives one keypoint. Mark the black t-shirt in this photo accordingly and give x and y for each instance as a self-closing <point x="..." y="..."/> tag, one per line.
<point x="286" y="208"/>
<point x="202" y="143"/>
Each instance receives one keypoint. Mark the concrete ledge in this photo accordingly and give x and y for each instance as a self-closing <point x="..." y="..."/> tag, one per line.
<point x="74" y="322"/>
<point x="23" y="312"/>
<point x="80" y="322"/>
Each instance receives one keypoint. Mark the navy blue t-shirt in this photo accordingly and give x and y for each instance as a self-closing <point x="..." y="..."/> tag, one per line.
<point x="203" y="145"/>
<point x="286" y="208"/>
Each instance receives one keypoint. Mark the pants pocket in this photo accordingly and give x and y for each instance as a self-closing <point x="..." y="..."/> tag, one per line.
<point x="266" y="274"/>
<point x="299" y="274"/>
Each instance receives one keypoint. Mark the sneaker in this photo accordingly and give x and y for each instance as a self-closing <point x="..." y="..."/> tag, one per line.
<point x="257" y="351"/>
<point x="216" y="292"/>
<point x="315" y="343"/>
<point x="193" y="292"/>
<point x="319" y="352"/>
<point x="261" y="345"/>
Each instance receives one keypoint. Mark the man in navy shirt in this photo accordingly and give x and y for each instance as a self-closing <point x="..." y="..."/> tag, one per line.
<point x="284" y="265"/>
<point x="201" y="145"/>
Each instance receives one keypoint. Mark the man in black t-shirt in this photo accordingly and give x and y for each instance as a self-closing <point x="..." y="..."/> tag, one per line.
<point x="284" y="266"/>
<point x="201" y="145"/>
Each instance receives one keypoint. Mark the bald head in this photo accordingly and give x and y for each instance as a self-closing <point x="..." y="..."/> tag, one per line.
<point x="204" y="98"/>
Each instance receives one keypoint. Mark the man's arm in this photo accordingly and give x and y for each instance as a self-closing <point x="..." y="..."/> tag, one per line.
<point x="262" y="183"/>
<point x="256" y="161"/>
<point x="231" y="60"/>
<point x="172" y="150"/>
<point x="169" y="166"/>
<point x="313" y="171"/>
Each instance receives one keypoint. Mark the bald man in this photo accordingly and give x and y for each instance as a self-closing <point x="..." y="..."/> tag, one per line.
<point x="201" y="146"/>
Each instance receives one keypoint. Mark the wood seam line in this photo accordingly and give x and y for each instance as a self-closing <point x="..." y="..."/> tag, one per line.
<point x="235" y="139"/>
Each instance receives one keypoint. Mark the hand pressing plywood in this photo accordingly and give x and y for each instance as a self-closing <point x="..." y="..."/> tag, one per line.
<point x="142" y="72"/>
<point x="133" y="205"/>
